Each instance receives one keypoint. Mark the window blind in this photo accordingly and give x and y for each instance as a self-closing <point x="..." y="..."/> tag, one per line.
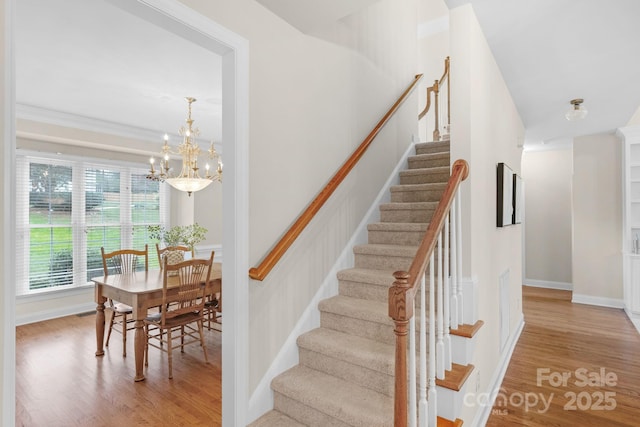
<point x="66" y="210"/>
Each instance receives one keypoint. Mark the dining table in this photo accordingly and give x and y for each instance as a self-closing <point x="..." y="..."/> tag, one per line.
<point x="141" y="290"/>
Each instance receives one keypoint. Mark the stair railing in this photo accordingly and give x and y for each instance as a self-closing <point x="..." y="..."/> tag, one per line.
<point x="402" y="298"/>
<point x="287" y="239"/>
<point x="435" y="91"/>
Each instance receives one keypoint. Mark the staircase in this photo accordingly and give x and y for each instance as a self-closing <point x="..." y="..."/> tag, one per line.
<point x="345" y="375"/>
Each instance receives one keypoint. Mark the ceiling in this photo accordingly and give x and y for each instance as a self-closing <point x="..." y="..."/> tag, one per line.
<point x="552" y="51"/>
<point x="88" y="59"/>
<point x="99" y="66"/>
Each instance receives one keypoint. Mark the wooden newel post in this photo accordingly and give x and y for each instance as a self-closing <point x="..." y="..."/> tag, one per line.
<point x="400" y="310"/>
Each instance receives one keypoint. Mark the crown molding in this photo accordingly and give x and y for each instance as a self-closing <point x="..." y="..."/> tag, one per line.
<point x="60" y="118"/>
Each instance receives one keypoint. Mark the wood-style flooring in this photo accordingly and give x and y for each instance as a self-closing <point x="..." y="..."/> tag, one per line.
<point x="574" y="365"/>
<point x="61" y="383"/>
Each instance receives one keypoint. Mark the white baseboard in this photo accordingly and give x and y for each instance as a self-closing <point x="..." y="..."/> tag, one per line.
<point x="261" y="400"/>
<point x="564" y="286"/>
<point x="55" y="313"/>
<point x="599" y="301"/>
<point x="482" y="415"/>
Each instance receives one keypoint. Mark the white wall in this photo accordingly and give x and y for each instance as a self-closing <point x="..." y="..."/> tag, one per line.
<point x="313" y="100"/>
<point x="207" y="211"/>
<point x="486" y="130"/>
<point x="547" y="176"/>
<point x="597" y="220"/>
<point x="7" y="332"/>
<point x="433" y="48"/>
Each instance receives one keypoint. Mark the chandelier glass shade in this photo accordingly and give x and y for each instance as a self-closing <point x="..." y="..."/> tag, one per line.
<point x="189" y="179"/>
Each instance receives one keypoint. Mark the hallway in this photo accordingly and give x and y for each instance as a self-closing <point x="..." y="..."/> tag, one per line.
<point x="574" y="365"/>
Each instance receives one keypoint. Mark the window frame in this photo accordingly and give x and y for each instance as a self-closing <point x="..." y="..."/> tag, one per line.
<point x="78" y="223"/>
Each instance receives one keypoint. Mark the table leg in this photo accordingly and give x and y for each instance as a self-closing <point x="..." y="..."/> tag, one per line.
<point x="139" y="344"/>
<point x="100" y="329"/>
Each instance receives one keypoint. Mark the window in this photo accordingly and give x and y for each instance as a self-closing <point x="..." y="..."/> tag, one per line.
<point x="68" y="209"/>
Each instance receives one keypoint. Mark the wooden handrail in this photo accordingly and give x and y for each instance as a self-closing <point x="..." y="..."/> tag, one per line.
<point x="435" y="89"/>
<point x="272" y="258"/>
<point x="402" y="293"/>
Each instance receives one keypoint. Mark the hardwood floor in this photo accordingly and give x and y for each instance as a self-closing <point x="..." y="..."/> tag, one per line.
<point x="59" y="381"/>
<point x="596" y="349"/>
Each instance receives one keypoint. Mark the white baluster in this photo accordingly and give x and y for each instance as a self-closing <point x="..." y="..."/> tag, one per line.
<point x="446" y="295"/>
<point x="440" y="318"/>
<point x="412" y="370"/>
<point x="454" y="267"/>
<point x="423" y="409"/>
<point x="459" y="237"/>
<point x="432" y="347"/>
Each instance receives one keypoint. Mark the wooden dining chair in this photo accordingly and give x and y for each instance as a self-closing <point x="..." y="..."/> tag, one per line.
<point x="213" y="310"/>
<point x="162" y="252"/>
<point x="120" y="262"/>
<point x="182" y="311"/>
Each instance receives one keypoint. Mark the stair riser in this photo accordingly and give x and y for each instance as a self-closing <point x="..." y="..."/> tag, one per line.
<point x="382" y="262"/>
<point x="374" y="380"/>
<point x="410" y="195"/>
<point x="371" y="292"/>
<point x="423" y="163"/>
<point x="409" y="238"/>
<point x="424" y="178"/>
<point x="366" y="291"/>
<point x="406" y="215"/>
<point x="430" y="148"/>
<point x="382" y="332"/>
<point x="303" y="413"/>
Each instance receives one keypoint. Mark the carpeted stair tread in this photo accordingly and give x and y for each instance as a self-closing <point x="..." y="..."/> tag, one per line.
<point x="428" y="160"/>
<point x="436" y="174"/>
<point x="384" y="256"/>
<point x="356" y="350"/>
<point x="417" y="192"/>
<point x="275" y="419"/>
<point x="433" y="155"/>
<point x="382" y="249"/>
<point x="419" y="187"/>
<point x="348" y="403"/>
<point x="395" y="206"/>
<point x="367" y="275"/>
<point x="419" y="212"/>
<point x="396" y="233"/>
<point x="398" y="226"/>
<point x="365" y="283"/>
<point x="357" y="308"/>
<point x="433" y="147"/>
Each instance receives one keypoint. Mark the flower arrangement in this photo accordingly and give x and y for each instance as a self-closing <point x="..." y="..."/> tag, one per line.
<point x="188" y="235"/>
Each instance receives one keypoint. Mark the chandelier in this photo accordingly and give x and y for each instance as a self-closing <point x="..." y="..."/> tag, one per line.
<point x="189" y="179"/>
